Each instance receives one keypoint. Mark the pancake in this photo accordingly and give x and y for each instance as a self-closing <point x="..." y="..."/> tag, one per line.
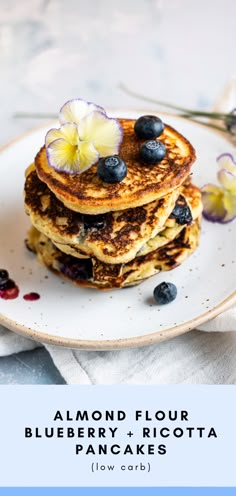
<point x="172" y="228"/>
<point x="93" y="273"/>
<point x="114" y="237"/>
<point x="168" y="232"/>
<point x="86" y="193"/>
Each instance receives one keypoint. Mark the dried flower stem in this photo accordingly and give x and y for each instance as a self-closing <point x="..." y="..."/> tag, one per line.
<point x="33" y="115"/>
<point x="186" y="112"/>
<point x="193" y="115"/>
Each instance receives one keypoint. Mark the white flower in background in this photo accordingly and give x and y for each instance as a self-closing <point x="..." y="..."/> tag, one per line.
<point x="85" y="135"/>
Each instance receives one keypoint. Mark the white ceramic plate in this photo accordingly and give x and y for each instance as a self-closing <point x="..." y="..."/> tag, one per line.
<point x="89" y="319"/>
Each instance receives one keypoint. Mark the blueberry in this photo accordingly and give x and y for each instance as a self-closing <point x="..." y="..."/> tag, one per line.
<point x="165" y="293"/>
<point x="112" y="169"/>
<point x="4" y="276"/>
<point x="7" y="284"/>
<point x="93" y="221"/>
<point x="148" y="127"/>
<point x="152" y="152"/>
<point x="76" y="269"/>
<point x="181" y="212"/>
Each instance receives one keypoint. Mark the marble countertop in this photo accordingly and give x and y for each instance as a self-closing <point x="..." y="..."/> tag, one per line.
<point x="179" y="51"/>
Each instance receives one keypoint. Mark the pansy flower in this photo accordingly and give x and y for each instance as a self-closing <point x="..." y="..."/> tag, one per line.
<point x="86" y="134"/>
<point x="219" y="202"/>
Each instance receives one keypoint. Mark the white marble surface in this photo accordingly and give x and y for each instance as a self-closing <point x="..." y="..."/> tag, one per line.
<point x="180" y="51"/>
<point x="175" y="50"/>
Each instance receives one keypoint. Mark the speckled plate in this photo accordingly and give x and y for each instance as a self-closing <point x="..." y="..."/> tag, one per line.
<point x="89" y="319"/>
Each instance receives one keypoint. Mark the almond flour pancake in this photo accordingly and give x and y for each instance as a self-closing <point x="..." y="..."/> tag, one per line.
<point x="86" y="193"/>
<point x="192" y="197"/>
<point x="94" y="273"/>
<point x="114" y="237"/>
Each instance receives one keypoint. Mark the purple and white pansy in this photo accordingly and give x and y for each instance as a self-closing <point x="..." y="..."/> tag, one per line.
<point x="86" y="134"/>
<point x="219" y="202"/>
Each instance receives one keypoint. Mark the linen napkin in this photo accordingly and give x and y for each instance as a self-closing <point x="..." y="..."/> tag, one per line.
<point x="192" y="358"/>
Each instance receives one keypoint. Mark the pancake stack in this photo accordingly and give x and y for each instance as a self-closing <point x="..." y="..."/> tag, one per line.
<point x="105" y="235"/>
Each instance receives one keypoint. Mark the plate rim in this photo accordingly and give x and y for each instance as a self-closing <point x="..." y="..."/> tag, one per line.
<point x="122" y="343"/>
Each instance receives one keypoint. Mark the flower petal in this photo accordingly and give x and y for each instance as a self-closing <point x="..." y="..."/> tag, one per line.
<point x="213" y="206"/>
<point x="228" y="180"/>
<point x="230" y="206"/>
<point x="52" y="135"/>
<point x="226" y="161"/>
<point x="68" y="131"/>
<point x="88" y="155"/>
<point x="106" y="133"/>
<point x="63" y="156"/>
<point x="75" y="110"/>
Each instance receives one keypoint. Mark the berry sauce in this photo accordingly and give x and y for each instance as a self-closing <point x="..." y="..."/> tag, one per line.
<point x="9" y="290"/>
<point x="31" y="296"/>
